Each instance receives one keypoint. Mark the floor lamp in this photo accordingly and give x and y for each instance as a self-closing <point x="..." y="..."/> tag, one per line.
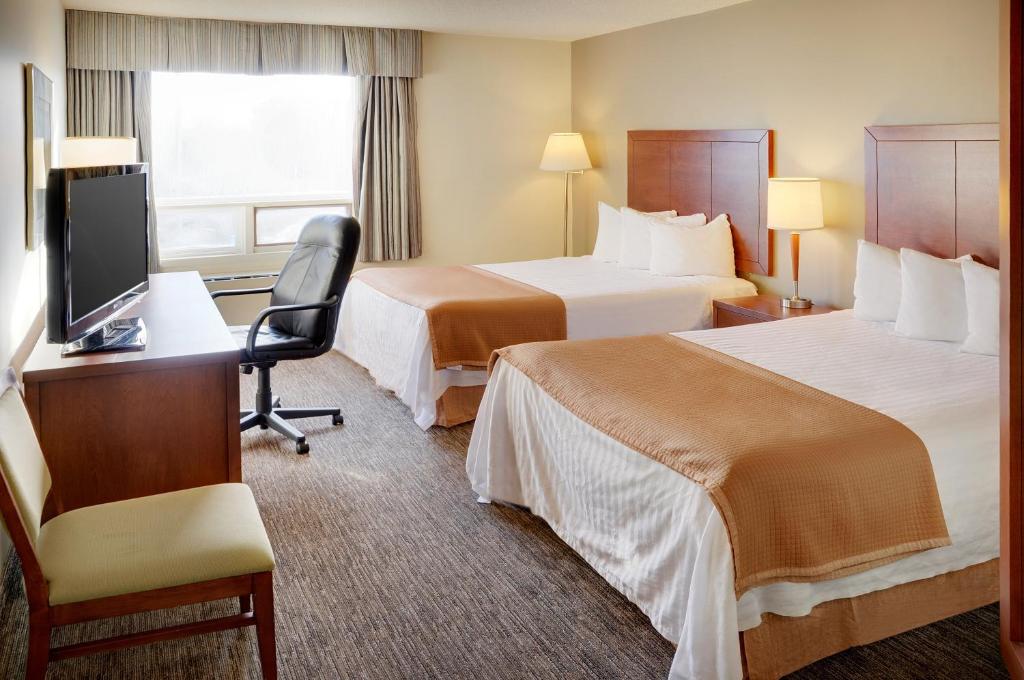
<point x="565" y="152"/>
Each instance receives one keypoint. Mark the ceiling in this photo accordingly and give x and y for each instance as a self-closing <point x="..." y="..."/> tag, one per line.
<point x="544" y="19"/>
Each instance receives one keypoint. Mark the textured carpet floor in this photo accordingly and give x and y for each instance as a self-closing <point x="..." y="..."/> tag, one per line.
<point x="388" y="568"/>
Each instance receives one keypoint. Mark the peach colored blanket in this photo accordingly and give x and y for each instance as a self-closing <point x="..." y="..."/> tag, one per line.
<point x="471" y="312"/>
<point x="811" y="487"/>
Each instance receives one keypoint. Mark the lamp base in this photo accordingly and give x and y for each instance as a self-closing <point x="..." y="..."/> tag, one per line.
<point x="796" y="303"/>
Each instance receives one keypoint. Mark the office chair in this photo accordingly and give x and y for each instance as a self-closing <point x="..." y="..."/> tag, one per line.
<point x="302" y="318"/>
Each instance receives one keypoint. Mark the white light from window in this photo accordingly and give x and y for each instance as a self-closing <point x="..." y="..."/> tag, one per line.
<point x="282" y="225"/>
<point x="225" y="135"/>
<point x="223" y="143"/>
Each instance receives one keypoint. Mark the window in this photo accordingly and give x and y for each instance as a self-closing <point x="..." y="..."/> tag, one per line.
<point x="241" y="162"/>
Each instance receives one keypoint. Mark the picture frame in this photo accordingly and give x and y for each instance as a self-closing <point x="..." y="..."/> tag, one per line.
<point x="38" y="152"/>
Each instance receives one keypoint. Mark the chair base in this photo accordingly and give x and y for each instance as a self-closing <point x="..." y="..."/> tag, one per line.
<point x="269" y="413"/>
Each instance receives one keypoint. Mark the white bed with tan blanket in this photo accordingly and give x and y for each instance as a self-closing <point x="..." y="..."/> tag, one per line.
<point x="657" y="537"/>
<point x="391" y="338"/>
<point x="426" y="333"/>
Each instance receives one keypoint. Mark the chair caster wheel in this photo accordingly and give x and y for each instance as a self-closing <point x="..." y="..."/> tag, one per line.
<point x="264" y="426"/>
<point x="338" y="420"/>
<point x="301" y="447"/>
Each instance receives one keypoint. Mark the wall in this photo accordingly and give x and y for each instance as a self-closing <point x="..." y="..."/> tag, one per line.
<point x="30" y="31"/>
<point x="486" y="107"/>
<point x="815" y="72"/>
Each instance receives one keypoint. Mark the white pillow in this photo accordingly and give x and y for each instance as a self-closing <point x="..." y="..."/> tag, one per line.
<point x="609" y="233"/>
<point x="981" y="287"/>
<point x="678" y="250"/>
<point x="876" y="287"/>
<point x="933" y="301"/>
<point x="636" y="235"/>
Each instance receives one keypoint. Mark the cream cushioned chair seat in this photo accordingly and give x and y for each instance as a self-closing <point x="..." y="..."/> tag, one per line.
<point x="169" y="539"/>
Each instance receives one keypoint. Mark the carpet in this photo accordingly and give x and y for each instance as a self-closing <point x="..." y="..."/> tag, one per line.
<point x="388" y="568"/>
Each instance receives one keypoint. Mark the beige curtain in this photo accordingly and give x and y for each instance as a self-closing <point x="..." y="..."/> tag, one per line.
<point x="127" y="42"/>
<point x="115" y="104"/>
<point x="386" y="198"/>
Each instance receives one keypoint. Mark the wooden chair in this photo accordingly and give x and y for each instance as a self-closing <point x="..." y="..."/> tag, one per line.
<point x="131" y="556"/>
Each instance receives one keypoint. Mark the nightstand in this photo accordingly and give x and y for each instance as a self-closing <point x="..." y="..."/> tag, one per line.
<point x="757" y="309"/>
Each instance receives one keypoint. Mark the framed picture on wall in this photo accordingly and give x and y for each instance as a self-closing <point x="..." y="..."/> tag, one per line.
<point x="38" y="152"/>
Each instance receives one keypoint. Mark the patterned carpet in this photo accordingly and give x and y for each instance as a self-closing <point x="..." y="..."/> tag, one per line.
<point x="388" y="568"/>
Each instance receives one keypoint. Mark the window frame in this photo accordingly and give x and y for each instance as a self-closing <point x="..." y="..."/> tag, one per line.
<point x="249" y="257"/>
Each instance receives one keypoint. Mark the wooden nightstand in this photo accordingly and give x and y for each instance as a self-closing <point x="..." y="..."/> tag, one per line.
<point x="757" y="309"/>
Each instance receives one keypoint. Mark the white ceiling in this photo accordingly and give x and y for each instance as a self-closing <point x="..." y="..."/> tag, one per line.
<point x="546" y="19"/>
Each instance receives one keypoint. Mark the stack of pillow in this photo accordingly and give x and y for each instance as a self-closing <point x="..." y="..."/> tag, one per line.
<point x="929" y="298"/>
<point x="664" y="243"/>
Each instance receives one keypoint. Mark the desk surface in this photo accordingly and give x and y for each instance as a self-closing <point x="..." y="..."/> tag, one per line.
<point x="182" y="324"/>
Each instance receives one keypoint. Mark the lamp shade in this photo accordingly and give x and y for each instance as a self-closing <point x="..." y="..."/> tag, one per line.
<point x="565" y="152"/>
<point x="794" y="204"/>
<point x="84" y="152"/>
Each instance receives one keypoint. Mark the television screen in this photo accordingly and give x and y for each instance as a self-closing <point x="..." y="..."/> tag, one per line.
<point x="107" y="240"/>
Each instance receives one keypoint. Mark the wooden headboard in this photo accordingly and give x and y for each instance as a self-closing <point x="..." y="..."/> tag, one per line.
<point x="708" y="171"/>
<point x="934" y="188"/>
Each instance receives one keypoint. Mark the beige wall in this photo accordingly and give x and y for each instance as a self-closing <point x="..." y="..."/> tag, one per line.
<point x="815" y="72"/>
<point x="486" y="107"/>
<point x="30" y="31"/>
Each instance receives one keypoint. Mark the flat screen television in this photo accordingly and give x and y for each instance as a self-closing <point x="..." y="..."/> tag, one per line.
<point x="97" y="250"/>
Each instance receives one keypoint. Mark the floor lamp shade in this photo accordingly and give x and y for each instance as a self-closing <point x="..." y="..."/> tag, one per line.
<point x="794" y="205"/>
<point x="84" y="152"/>
<point x="565" y="152"/>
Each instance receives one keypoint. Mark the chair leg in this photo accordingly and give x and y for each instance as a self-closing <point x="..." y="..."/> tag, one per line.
<point x="245" y="603"/>
<point x="38" y="646"/>
<point x="292" y="413"/>
<point x="263" y="602"/>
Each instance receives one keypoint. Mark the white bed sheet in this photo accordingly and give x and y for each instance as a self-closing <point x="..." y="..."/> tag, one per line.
<point x="391" y="339"/>
<point x="657" y="537"/>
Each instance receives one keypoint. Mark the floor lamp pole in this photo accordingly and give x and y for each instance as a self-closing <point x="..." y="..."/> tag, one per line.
<point x="565" y="218"/>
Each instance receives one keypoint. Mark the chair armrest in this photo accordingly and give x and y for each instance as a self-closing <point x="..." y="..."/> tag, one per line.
<point x="240" y="291"/>
<point x="250" y="341"/>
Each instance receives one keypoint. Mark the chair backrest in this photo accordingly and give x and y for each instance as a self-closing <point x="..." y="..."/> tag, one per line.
<point x="21" y="460"/>
<point x="318" y="268"/>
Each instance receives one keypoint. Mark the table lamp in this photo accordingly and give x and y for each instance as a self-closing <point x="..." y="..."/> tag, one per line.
<point x="85" y="152"/>
<point x="565" y="152"/>
<point x="794" y="205"/>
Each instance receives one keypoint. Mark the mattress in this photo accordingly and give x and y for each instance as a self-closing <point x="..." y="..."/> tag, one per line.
<point x="656" y="536"/>
<point x="391" y="339"/>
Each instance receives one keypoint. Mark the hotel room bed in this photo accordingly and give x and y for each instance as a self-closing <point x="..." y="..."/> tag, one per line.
<point x="667" y="542"/>
<point x="657" y="536"/>
<point x="391" y="338"/>
<point x="385" y="328"/>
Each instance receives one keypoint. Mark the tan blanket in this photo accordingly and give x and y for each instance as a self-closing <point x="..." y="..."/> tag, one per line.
<point x="811" y="487"/>
<point x="471" y="312"/>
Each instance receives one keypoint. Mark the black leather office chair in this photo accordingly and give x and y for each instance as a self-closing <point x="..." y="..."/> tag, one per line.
<point x="303" y="317"/>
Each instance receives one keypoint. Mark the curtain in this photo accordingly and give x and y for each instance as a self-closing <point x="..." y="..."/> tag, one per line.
<point x="115" y="104"/>
<point x="109" y="41"/>
<point x="385" y="181"/>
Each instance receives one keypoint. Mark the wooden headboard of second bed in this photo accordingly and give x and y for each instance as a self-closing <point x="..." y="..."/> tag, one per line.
<point x="933" y="188"/>
<point x="710" y="172"/>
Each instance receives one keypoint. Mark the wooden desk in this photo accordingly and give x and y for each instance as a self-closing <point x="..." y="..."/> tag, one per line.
<point x="126" y="424"/>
